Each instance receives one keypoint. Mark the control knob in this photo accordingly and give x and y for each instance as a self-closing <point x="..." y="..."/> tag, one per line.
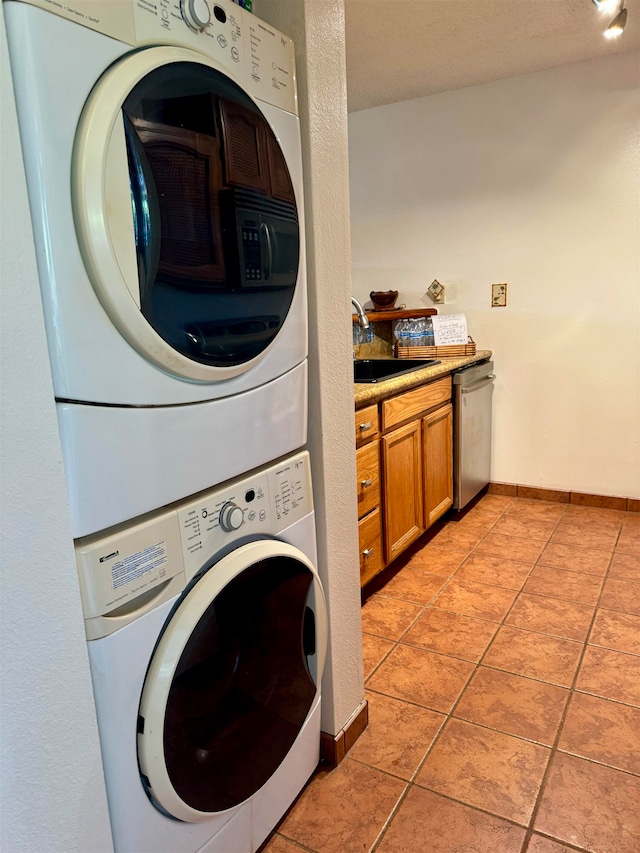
<point x="196" y="13"/>
<point x="231" y="517"/>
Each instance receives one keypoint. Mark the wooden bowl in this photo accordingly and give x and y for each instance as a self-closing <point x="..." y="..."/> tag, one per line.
<point x="383" y="299"/>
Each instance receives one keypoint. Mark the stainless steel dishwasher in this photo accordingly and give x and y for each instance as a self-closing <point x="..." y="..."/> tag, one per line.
<point x="472" y="403"/>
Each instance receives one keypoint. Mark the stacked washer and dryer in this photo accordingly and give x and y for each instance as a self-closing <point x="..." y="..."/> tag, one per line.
<point x="162" y="152"/>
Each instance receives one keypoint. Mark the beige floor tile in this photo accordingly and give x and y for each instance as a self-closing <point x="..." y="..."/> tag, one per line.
<point x="590" y="806"/>
<point x="513" y="705"/>
<point x="486" y="769"/>
<point x="558" y="583"/>
<point x="611" y="675"/>
<point x="440" y="561"/>
<point x="575" y="559"/>
<point x="451" y="634"/>
<point x="546" y="658"/>
<point x="428" y="679"/>
<point x="374" y="650"/>
<point x="475" y="599"/>
<point x="621" y="595"/>
<point x="526" y="527"/>
<point x="551" y="616"/>
<point x="414" y="584"/>
<point x="398" y="735"/>
<point x="541" y="510"/>
<point x="617" y="631"/>
<point x="428" y="823"/>
<point x="538" y="844"/>
<point x="342" y="810"/>
<point x="496" y="571"/>
<point x="388" y="617"/>
<point x="511" y="547"/>
<point x="625" y="567"/>
<point x="594" y="516"/>
<point x="584" y="536"/>
<point x="629" y="541"/>
<point x="603" y="731"/>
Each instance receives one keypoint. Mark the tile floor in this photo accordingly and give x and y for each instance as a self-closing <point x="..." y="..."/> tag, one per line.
<point x="502" y="670"/>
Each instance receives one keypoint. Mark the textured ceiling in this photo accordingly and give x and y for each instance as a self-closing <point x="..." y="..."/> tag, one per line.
<point x="398" y="50"/>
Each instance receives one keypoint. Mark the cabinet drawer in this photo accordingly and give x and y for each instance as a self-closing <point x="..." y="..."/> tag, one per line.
<point x="370" y="539"/>
<point x="406" y="406"/>
<point x="368" y="471"/>
<point x="366" y="423"/>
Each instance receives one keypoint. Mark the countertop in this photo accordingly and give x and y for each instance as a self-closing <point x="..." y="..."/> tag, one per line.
<point x="372" y="392"/>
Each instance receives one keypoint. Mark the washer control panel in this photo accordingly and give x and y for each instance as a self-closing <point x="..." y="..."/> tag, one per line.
<point x="263" y="503"/>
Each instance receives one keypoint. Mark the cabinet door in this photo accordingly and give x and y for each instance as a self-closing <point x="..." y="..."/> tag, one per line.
<point x="246" y="157"/>
<point x="437" y="448"/>
<point x="368" y="478"/>
<point x="370" y="539"/>
<point x="402" y="488"/>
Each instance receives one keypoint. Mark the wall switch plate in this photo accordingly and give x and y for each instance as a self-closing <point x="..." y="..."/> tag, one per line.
<point x="498" y="295"/>
<point x="435" y="291"/>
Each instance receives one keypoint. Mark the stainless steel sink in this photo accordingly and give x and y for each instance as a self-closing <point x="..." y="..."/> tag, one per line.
<point x="379" y="369"/>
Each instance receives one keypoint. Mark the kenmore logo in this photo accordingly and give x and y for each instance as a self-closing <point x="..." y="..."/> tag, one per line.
<point x="109" y="556"/>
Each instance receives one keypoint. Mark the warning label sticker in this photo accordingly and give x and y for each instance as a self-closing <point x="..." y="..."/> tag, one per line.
<point x="136" y="565"/>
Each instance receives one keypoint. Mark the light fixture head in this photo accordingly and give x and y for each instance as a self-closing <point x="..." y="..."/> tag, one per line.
<point x="616" y="27"/>
<point x="606" y="5"/>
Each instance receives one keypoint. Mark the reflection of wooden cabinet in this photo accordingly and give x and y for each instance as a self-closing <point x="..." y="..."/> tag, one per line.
<point x="246" y="159"/>
<point x="253" y="158"/>
<point x="416" y="477"/>
<point x="186" y="177"/>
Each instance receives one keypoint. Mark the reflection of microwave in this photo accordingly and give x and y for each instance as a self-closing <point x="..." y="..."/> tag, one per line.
<point x="261" y="236"/>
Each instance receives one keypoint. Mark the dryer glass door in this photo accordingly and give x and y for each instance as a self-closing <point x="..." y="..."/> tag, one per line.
<point x="230" y="686"/>
<point x="186" y="213"/>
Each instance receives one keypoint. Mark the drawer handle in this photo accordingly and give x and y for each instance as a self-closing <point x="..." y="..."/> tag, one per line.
<point x="366" y="483"/>
<point x="368" y="552"/>
<point x="364" y="427"/>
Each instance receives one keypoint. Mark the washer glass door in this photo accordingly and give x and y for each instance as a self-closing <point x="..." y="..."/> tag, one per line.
<point x="204" y="227"/>
<point x="231" y="683"/>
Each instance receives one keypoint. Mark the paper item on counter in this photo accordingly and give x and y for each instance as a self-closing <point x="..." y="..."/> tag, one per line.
<point x="449" y="329"/>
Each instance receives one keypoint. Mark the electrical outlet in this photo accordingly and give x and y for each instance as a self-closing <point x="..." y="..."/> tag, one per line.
<point x="498" y="295"/>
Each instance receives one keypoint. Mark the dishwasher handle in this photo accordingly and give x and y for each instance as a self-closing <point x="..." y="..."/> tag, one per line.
<point x="487" y="380"/>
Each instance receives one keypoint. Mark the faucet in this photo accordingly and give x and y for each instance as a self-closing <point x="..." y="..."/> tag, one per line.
<point x="363" y="320"/>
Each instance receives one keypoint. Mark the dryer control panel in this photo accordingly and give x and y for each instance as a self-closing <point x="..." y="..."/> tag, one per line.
<point x="260" y="57"/>
<point x="266" y="502"/>
<point x="131" y="568"/>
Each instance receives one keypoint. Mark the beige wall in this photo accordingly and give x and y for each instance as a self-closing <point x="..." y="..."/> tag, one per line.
<point x="531" y="181"/>
<point x="317" y="27"/>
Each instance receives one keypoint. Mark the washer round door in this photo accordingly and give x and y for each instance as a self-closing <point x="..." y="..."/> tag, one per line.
<point x="232" y="679"/>
<point x="186" y="213"/>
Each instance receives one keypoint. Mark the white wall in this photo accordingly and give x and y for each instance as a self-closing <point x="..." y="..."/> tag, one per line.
<point x="317" y="27"/>
<point x="533" y="181"/>
<point x="51" y="785"/>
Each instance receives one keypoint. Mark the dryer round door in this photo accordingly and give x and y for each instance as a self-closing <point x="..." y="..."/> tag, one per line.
<point x="186" y="213"/>
<point x="232" y="679"/>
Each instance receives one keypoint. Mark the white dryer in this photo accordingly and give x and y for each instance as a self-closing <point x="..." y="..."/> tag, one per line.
<point x="162" y="151"/>
<point x="207" y="633"/>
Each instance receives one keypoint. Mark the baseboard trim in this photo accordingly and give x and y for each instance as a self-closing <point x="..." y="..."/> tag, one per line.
<point x="514" y="490"/>
<point x="333" y="748"/>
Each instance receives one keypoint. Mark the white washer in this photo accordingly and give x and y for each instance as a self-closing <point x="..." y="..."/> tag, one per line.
<point x="207" y="633"/>
<point x="162" y="151"/>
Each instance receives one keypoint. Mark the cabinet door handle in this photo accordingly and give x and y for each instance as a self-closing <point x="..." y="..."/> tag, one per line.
<point x="368" y="552"/>
<point x="366" y="483"/>
<point x="364" y="427"/>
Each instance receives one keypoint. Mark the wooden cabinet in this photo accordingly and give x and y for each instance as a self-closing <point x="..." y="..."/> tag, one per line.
<point x="437" y="450"/>
<point x="405" y="470"/>
<point x="368" y="483"/>
<point x="403" y="489"/>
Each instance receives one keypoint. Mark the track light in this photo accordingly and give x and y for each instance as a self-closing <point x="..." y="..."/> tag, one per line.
<point x="616" y="27"/>
<point x="605" y="5"/>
